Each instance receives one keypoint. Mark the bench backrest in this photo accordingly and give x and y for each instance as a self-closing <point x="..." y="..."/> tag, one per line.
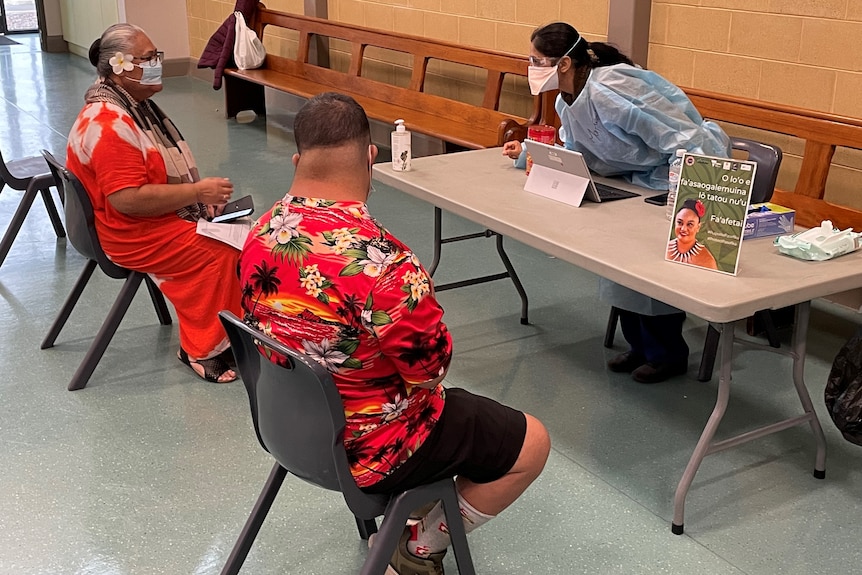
<point x="492" y="127"/>
<point x="484" y="125"/>
<point x="821" y="133"/>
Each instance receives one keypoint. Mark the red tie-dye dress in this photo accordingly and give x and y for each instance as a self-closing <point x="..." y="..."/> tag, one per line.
<point x="108" y="152"/>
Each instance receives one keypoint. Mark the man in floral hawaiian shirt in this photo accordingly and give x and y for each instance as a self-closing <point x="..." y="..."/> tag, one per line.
<point x="323" y="276"/>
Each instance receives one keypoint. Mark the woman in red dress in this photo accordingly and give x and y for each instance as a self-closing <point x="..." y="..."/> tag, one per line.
<point x="147" y="196"/>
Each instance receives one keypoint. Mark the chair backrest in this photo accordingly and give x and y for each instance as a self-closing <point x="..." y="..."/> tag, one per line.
<point x="17" y="174"/>
<point x="297" y="413"/>
<point x="80" y="219"/>
<point x="7" y="177"/>
<point x="768" y="158"/>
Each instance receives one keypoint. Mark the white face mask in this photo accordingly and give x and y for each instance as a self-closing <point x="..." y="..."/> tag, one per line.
<point x="542" y="79"/>
<point x="545" y="78"/>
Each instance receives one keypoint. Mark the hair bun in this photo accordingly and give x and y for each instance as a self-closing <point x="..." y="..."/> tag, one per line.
<point x="95" y="50"/>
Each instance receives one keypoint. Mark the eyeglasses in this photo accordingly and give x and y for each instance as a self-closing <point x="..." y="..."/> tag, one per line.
<point x="153" y="60"/>
<point x="542" y="61"/>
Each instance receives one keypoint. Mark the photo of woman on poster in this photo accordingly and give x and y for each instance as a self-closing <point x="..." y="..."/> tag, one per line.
<point x="684" y="247"/>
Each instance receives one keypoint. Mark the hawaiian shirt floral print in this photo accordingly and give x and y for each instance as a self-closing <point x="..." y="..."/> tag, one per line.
<point x="326" y="279"/>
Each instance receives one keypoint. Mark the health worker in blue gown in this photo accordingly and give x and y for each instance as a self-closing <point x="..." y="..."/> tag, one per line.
<point x="627" y="122"/>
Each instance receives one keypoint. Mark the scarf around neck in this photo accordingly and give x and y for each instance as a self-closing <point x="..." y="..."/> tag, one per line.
<point x="164" y="135"/>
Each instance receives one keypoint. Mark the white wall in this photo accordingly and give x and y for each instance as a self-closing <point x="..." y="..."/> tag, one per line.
<point x="85" y="20"/>
<point x="165" y="21"/>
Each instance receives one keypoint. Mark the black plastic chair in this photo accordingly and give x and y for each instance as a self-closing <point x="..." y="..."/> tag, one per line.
<point x="82" y="233"/>
<point x="299" y="419"/>
<point x="768" y="158"/>
<point x="31" y="176"/>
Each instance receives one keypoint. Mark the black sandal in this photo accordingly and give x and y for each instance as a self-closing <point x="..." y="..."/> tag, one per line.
<point x="214" y="367"/>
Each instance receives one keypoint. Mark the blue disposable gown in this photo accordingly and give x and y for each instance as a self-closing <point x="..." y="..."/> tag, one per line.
<point x="628" y="122"/>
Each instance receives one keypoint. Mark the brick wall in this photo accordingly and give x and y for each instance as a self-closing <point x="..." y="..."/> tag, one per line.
<point x="802" y="53"/>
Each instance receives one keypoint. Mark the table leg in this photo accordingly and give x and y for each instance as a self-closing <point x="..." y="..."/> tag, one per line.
<point x="702" y="448"/>
<point x="513" y="275"/>
<point x="438" y="240"/>
<point x="510" y="272"/>
<point x="706" y="446"/>
<point x="798" y="349"/>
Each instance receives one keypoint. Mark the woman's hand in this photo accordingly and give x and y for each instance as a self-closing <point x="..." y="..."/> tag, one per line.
<point x="512" y="149"/>
<point x="213" y="191"/>
<point x="213" y="211"/>
<point x="160" y="199"/>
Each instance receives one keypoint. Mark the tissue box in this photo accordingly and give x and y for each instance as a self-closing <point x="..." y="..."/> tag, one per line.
<point x="768" y="219"/>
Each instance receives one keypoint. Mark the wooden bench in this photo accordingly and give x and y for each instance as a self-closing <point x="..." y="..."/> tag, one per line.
<point x="821" y="134"/>
<point x="467" y="125"/>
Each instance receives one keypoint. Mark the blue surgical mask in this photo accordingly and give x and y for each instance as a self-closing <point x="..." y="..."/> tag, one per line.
<point x="152" y="75"/>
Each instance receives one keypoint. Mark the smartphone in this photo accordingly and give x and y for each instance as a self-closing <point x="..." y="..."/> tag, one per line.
<point x="659" y="200"/>
<point x="236" y="209"/>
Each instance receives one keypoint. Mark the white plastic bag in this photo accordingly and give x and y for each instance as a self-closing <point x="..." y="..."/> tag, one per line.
<point x="248" y="51"/>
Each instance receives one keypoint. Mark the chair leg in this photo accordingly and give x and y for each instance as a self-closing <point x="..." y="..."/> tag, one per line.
<point x="69" y="304"/>
<point x="15" y="222"/>
<point x="107" y="331"/>
<point x="707" y="359"/>
<point x="255" y="520"/>
<point x="769" y="326"/>
<point x="396" y="515"/>
<point x="457" y="533"/>
<point x="611" y="330"/>
<point x="367" y="527"/>
<point x="52" y="212"/>
<point x="158" y="302"/>
<point x="388" y="536"/>
<point x="438" y="241"/>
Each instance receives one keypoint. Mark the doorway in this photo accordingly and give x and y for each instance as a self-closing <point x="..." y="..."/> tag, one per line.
<point x="17" y="16"/>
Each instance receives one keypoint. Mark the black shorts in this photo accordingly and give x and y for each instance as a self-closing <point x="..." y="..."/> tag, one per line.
<point x="476" y="437"/>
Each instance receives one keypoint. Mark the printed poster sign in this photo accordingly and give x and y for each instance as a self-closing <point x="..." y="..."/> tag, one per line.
<point x="709" y="213"/>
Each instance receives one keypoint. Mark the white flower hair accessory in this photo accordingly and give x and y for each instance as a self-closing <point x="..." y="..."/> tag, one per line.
<point x="119" y="62"/>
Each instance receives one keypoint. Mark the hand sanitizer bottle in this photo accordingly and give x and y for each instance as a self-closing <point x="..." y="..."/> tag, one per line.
<point x="401" y="148"/>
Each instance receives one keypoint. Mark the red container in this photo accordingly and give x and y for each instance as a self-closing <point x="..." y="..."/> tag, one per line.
<point x="543" y="134"/>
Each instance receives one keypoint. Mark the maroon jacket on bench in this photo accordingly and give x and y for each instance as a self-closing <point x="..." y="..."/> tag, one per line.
<point x="218" y="53"/>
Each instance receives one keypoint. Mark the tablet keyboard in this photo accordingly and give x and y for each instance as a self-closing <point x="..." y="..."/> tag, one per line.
<point x="610" y="193"/>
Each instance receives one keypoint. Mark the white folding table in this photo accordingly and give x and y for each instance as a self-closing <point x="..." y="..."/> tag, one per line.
<point x="624" y="241"/>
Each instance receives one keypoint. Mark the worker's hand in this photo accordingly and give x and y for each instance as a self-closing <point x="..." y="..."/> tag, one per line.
<point x="512" y="149"/>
